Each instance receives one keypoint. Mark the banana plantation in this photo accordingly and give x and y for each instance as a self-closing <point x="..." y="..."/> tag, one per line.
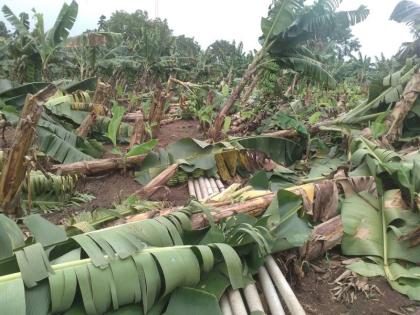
<point x="144" y="174"/>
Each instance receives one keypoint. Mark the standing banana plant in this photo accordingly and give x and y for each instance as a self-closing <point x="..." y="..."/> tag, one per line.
<point x="286" y="30"/>
<point x="40" y="43"/>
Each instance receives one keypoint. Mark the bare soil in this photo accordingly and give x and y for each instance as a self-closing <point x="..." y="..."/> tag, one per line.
<point x="179" y="129"/>
<point x="314" y="292"/>
<point x="113" y="188"/>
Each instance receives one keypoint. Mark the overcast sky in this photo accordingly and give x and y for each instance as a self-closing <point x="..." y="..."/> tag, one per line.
<point x="209" y="20"/>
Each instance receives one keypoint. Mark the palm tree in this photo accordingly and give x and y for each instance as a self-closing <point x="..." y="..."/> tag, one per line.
<point x="41" y="44"/>
<point x="289" y="26"/>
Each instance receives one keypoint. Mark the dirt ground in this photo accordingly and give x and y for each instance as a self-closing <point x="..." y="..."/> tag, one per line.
<point x="113" y="188"/>
<point x="315" y="292"/>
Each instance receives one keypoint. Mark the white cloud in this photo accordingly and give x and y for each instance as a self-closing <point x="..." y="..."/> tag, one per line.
<point x="209" y="20"/>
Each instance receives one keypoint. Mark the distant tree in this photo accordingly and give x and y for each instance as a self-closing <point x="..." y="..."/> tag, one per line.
<point x="227" y="59"/>
<point x="34" y="50"/>
<point x="185" y="46"/>
<point x="102" y="23"/>
<point x="4" y="32"/>
<point x="408" y="12"/>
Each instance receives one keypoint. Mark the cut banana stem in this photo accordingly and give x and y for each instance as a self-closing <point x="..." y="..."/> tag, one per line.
<point x="197" y="190"/>
<point x="283" y="287"/>
<point x="203" y="187"/>
<point x="214" y="185"/>
<point x="220" y="184"/>
<point x="208" y="185"/>
<point x="270" y="293"/>
<point x="236" y="302"/>
<point x="252" y="298"/>
<point x="191" y="189"/>
<point x="225" y="306"/>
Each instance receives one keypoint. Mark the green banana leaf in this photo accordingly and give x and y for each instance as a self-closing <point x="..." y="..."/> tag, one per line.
<point x="143" y="277"/>
<point x="374" y="228"/>
<point x="194" y="154"/>
<point x="280" y="150"/>
<point x="88" y="84"/>
<point x="283" y="221"/>
<point x="59" y="143"/>
<point x="114" y="124"/>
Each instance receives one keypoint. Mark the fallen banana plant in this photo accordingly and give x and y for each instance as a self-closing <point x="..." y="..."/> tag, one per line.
<point x="226" y="158"/>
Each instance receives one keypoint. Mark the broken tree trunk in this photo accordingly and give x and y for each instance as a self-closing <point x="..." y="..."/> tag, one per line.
<point x="159" y="180"/>
<point x="396" y="117"/>
<point x="85" y="126"/>
<point x="138" y="133"/>
<point x="132" y="117"/>
<point x="251" y="88"/>
<point x="100" y="103"/>
<point x="14" y="171"/>
<point x="98" y="166"/>
<point x="324" y="237"/>
<point x="216" y="131"/>
<point x="287" y="133"/>
<point x="156" y="111"/>
<point x="101" y="98"/>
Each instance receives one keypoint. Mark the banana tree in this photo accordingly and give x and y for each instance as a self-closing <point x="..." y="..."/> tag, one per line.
<point x="287" y="28"/>
<point x="40" y="43"/>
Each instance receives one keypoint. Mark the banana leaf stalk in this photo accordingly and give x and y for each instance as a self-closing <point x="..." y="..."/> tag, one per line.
<point x="236" y="302"/>
<point x="197" y="189"/>
<point x="191" y="189"/>
<point x="220" y="184"/>
<point x="252" y="298"/>
<point x="225" y="306"/>
<point x="283" y="287"/>
<point x="270" y="293"/>
<point x="203" y="188"/>
<point x="208" y="186"/>
<point x="214" y="185"/>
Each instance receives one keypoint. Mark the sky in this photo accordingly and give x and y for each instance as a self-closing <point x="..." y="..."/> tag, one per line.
<point x="239" y="20"/>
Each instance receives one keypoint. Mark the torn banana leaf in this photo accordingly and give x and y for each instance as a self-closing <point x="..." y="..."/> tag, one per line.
<point x="376" y="229"/>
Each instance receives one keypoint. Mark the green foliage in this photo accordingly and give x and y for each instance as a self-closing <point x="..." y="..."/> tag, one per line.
<point x="283" y="121"/>
<point x="290" y="25"/>
<point x="61" y="144"/>
<point x="284" y="223"/>
<point x="142" y="148"/>
<point x="114" y="124"/>
<point x="374" y="227"/>
<point x="40" y="46"/>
